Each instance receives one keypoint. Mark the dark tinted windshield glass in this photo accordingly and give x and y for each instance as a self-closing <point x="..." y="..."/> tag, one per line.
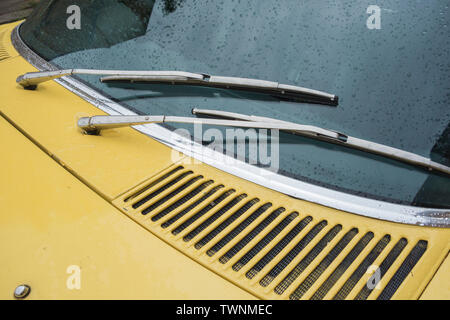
<point x="388" y="63"/>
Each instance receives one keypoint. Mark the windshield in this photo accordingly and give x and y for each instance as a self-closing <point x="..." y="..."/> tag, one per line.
<point x="388" y="63"/>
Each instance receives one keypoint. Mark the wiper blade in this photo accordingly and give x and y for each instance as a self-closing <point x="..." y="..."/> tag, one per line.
<point x="93" y="125"/>
<point x="282" y="91"/>
<point x="339" y="138"/>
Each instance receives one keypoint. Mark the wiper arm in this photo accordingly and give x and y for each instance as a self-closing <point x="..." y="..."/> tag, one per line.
<point x="282" y="91"/>
<point x="341" y="139"/>
<point x="31" y="80"/>
<point x="93" y="125"/>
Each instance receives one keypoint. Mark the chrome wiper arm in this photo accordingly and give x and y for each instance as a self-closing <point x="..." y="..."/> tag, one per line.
<point x="32" y="79"/>
<point x="93" y="125"/>
<point x="339" y="138"/>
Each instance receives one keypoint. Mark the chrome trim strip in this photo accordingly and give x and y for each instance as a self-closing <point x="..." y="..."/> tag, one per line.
<point x="299" y="189"/>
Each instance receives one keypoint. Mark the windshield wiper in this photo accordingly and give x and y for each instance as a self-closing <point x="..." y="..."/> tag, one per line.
<point x="282" y="91"/>
<point x="93" y="125"/>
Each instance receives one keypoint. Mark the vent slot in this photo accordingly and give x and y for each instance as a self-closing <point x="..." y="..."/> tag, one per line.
<point x="3" y="51"/>
<point x="323" y="265"/>
<point x="342" y="267"/>
<point x="362" y="268"/>
<point x="202" y="212"/>
<point x="280" y="288"/>
<point x="3" y="54"/>
<point x="264" y="242"/>
<point x="161" y="190"/>
<point x="182" y="201"/>
<point x="384" y="267"/>
<point x="279" y="246"/>
<point x="406" y="267"/>
<point x="236" y="231"/>
<point x="276" y="246"/>
<point x="252" y="234"/>
<point x="189" y="208"/>
<point x="153" y="183"/>
<point x="226" y="223"/>
<point x="171" y="195"/>
<point x="213" y="218"/>
<point x="292" y="254"/>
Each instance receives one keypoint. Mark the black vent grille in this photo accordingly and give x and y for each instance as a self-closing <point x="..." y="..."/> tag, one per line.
<point x="3" y="51"/>
<point x="281" y="249"/>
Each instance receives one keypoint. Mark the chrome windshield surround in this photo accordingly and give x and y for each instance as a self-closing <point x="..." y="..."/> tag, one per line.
<point x="306" y="191"/>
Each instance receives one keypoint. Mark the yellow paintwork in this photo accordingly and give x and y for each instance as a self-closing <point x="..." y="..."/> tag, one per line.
<point x="439" y="287"/>
<point x="78" y="226"/>
<point x="111" y="164"/>
<point x="50" y="221"/>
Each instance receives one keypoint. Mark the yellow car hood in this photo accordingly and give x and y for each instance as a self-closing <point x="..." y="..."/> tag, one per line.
<point x="76" y="210"/>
